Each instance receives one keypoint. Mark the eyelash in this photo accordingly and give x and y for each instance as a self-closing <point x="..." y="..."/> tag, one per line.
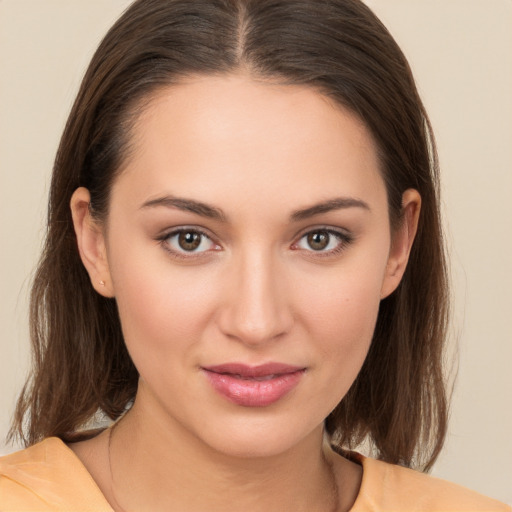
<point x="165" y="238"/>
<point x="344" y="240"/>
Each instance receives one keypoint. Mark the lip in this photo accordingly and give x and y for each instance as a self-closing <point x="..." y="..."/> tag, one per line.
<point x="253" y="386"/>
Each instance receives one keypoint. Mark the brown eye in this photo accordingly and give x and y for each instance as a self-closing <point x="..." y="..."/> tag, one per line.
<point x="318" y="240"/>
<point x="325" y="242"/>
<point x="189" y="240"/>
<point x="184" y="241"/>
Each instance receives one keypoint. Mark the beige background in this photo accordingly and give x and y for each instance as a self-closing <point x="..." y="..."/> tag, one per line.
<point x="460" y="51"/>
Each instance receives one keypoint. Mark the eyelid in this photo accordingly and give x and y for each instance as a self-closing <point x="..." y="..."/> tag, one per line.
<point x="165" y="235"/>
<point x="344" y="236"/>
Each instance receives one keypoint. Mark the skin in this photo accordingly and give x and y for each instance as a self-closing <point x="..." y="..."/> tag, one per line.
<point x="255" y="291"/>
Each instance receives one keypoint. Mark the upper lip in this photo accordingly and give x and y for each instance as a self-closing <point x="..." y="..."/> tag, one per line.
<point x="249" y="371"/>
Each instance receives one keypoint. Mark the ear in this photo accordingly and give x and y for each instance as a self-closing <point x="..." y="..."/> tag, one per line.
<point x="91" y="242"/>
<point x="401" y="241"/>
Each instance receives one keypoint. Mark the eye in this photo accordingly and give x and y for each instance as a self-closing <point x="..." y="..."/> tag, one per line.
<point x="323" y="241"/>
<point x="188" y="241"/>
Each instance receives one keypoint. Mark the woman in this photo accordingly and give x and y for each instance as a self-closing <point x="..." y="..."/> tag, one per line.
<point x="243" y="267"/>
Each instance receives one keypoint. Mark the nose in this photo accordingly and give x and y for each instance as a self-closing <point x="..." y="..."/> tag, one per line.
<point x="256" y="309"/>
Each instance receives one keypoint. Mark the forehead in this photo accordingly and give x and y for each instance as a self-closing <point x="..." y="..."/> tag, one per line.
<point x="233" y="132"/>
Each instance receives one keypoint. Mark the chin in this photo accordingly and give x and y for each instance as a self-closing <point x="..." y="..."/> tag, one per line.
<point x="263" y="438"/>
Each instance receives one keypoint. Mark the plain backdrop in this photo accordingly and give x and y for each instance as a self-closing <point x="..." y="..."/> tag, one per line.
<point x="461" y="54"/>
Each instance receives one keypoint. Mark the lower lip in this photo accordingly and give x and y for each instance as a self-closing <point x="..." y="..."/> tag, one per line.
<point x="251" y="392"/>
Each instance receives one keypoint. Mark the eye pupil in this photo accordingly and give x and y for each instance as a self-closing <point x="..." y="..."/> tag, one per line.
<point x="189" y="241"/>
<point x="318" y="240"/>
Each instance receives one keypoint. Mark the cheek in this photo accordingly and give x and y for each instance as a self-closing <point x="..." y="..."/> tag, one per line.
<point x="346" y="323"/>
<point x="343" y="302"/>
<point x="163" y="309"/>
<point x="339" y="312"/>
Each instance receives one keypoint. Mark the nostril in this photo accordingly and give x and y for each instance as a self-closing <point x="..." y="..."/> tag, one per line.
<point x="256" y="309"/>
<point x="255" y="327"/>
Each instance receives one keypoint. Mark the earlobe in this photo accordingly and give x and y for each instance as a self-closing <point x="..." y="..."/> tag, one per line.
<point x="91" y="242"/>
<point x="401" y="242"/>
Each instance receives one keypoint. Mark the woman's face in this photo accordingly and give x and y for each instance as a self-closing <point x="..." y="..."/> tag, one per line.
<point x="248" y="247"/>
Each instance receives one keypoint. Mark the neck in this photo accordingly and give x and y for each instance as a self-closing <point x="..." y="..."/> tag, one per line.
<point x="168" y="468"/>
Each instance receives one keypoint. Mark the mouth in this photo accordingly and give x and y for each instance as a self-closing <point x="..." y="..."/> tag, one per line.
<point x="253" y="386"/>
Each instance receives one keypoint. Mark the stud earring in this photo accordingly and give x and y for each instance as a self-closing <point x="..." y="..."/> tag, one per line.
<point x="102" y="283"/>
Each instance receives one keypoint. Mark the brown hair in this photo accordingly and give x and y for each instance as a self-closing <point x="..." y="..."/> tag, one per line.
<point x="339" y="47"/>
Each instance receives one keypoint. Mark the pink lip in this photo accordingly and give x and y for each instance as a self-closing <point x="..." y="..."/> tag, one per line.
<point x="253" y="386"/>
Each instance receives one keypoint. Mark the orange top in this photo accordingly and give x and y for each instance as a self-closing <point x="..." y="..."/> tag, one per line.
<point x="49" y="476"/>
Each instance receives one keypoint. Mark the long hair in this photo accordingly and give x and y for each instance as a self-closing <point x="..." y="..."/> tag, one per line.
<point x="339" y="47"/>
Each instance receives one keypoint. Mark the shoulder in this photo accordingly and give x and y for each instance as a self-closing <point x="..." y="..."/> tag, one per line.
<point x="387" y="487"/>
<point x="47" y="476"/>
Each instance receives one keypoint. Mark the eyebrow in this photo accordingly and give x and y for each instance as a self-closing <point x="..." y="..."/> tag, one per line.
<point x="337" y="203"/>
<point x="206" y="210"/>
<point x="189" y="205"/>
